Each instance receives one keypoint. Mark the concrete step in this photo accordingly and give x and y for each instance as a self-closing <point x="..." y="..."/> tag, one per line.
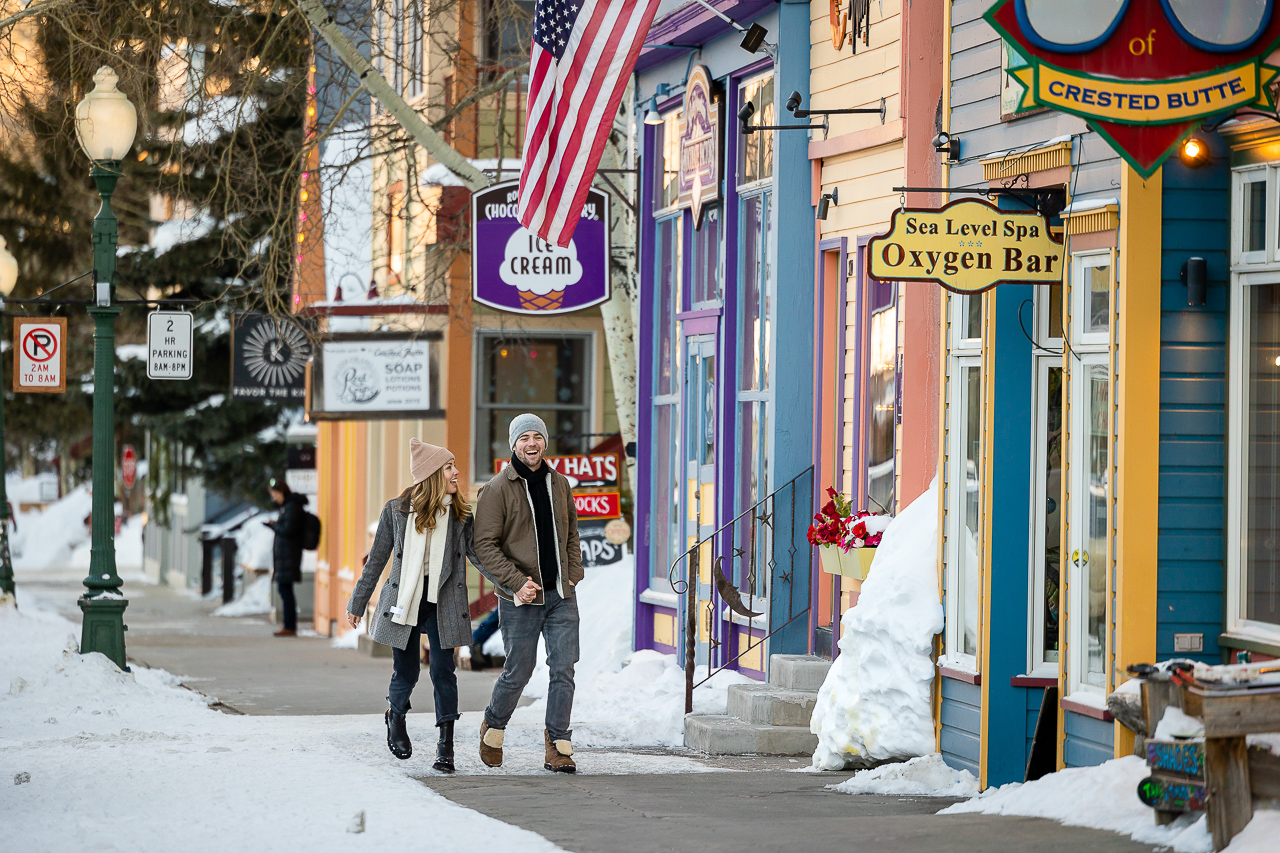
<point x="767" y="705"/>
<point x="798" y="672"/>
<point x="720" y="734"/>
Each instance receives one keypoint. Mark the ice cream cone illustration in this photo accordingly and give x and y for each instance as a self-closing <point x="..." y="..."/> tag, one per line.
<point x="540" y="271"/>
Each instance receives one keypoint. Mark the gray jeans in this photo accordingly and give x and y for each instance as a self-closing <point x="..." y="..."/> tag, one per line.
<point x="557" y="621"/>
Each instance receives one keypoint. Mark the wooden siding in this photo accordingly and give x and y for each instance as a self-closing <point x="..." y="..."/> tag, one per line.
<point x="961" y="722"/>
<point x="1193" y="391"/>
<point x="975" y="112"/>
<point x="840" y="79"/>
<point x="1088" y="740"/>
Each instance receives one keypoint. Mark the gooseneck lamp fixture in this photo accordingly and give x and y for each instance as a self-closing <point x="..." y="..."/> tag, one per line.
<point x="106" y="123"/>
<point x="8" y="279"/>
<point x="826" y="201"/>
<point x="652" y="117"/>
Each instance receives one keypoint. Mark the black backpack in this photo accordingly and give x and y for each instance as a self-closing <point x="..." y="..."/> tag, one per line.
<point x="310" y="531"/>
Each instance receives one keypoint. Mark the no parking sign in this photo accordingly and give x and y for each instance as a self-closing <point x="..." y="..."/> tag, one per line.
<point x="41" y="364"/>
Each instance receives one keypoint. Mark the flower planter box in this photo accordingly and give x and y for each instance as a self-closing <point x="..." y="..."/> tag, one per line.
<point x="855" y="563"/>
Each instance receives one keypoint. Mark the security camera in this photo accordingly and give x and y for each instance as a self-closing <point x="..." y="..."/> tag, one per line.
<point x="793" y="102"/>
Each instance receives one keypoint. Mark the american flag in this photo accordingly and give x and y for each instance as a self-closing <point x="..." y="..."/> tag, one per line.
<point x="583" y="53"/>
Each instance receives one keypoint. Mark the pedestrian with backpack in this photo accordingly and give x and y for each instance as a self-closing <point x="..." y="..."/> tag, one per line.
<point x="426" y="534"/>
<point x="291" y="528"/>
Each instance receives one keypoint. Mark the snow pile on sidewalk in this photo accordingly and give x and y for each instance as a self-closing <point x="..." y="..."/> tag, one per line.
<point x="924" y="776"/>
<point x="622" y="698"/>
<point x="46" y="539"/>
<point x="254" y="601"/>
<point x="1101" y="797"/>
<point x="128" y="550"/>
<point x="254" y="543"/>
<point x="101" y="759"/>
<point x="875" y="704"/>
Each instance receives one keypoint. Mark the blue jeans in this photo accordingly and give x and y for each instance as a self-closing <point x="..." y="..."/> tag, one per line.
<point x="557" y="622"/>
<point x="485" y="629"/>
<point x="406" y="666"/>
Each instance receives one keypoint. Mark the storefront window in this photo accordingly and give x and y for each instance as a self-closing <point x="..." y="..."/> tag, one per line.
<point x="1046" y="569"/>
<point x="881" y="395"/>
<point x="755" y="157"/>
<point x="1261" y="587"/>
<point x="670" y="261"/>
<point x="1090" y="556"/>
<point x="667" y="168"/>
<point x="966" y="481"/>
<point x="549" y="377"/>
<point x="704" y="289"/>
<point x="753" y="352"/>
<point x="1091" y="292"/>
<point x="665" y="512"/>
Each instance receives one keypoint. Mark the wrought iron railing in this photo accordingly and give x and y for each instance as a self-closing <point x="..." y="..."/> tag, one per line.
<point x="770" y="564"/>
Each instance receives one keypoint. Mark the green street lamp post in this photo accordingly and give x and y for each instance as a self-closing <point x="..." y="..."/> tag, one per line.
<point x="105" y="124"/>
<point x="8" y="278"/>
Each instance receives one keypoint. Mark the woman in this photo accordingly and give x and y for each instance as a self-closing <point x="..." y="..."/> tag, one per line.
<point x="286" y="551"/>
<point x="428" y="529"/>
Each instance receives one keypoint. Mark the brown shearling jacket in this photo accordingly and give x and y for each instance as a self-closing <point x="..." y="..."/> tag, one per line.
<point x="505" y="539"/>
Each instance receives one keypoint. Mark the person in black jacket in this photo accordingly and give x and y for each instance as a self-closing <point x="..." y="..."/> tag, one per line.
<point x="286" y="553"/>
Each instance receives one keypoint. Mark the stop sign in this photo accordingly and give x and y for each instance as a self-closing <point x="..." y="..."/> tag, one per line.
<point x="129" y="466"/>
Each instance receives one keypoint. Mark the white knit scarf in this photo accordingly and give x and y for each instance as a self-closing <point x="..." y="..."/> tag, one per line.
<point x="429" y="545"/>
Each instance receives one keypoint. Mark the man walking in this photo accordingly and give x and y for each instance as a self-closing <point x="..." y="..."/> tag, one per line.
<point x="526" y="536"/>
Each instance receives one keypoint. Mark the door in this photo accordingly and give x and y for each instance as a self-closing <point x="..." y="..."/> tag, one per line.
<point x="699" y="406"/>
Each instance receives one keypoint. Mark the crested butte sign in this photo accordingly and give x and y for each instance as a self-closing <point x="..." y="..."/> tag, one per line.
<point x="966" y="246"/>
<point x="1144" y="73"/>
<point x="699" y="179"/>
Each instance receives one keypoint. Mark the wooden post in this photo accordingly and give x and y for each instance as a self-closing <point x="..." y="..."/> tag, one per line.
<point x="1227" y="778"/>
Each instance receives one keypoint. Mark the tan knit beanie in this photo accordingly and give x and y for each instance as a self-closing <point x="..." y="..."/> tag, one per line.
<point x="426" y="459"/>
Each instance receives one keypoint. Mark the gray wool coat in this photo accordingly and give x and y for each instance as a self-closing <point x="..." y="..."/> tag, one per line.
<point x="453" y="618"/>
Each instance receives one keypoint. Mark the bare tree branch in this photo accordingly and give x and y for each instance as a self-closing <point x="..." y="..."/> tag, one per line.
<point x="33" y="9"/>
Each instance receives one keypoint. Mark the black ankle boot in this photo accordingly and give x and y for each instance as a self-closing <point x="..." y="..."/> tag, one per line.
<point x="398" y="735"/>
<point x="444" y="749"/>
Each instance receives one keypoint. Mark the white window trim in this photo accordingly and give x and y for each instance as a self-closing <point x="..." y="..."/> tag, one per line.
<point x="956" y="491"/>
<point x="957" y="304"/>
<point x="1080" y="262"/>
<point x="1077" y="611"/>
<point x="1248" y="270"/>
<point x="763" y="183"/>
<point x="1037" y="666"/>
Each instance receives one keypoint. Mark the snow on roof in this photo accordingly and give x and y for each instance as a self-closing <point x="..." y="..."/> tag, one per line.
<point x="220" y="529"/>
<point x="437" y="175"/>
<point x="1082" y="205"/>
<point x="176" y="231"/>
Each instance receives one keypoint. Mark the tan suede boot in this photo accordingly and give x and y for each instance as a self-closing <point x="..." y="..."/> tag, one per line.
<point x="490" y="745"/>
<point x="558" y="755"/>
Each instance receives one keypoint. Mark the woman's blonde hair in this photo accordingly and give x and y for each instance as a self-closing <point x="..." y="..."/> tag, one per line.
<point x="427" y="497"/>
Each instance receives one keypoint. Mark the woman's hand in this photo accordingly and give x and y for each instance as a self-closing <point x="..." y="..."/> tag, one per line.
<point x="353" y="620"/>
<point x="528" y="592"/>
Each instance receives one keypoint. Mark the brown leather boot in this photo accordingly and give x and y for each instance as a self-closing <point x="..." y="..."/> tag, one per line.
<point x="491" y="745"/>
<point x="558" y="755"/>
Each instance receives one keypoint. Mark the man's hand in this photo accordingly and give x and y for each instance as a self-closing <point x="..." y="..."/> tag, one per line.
<point x="527" y="592"/>
<point x="353" y="620"/>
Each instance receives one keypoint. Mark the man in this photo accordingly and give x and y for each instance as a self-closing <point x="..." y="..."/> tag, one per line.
<point x="526" y="536"/>
<point x="286" y="551"/>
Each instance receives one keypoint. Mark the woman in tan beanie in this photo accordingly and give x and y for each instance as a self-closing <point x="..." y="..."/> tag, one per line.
<point x="426" y="533"/>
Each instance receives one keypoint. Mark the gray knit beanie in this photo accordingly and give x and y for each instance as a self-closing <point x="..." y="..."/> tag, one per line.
<point x="521" y="424"/>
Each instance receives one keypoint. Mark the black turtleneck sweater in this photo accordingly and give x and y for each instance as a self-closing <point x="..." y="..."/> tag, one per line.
<point x="543" y="523"/>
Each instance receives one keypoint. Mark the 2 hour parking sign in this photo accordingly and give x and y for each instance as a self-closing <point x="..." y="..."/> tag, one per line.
<point x="169" y="345"/>
<point x="41" y="355"/>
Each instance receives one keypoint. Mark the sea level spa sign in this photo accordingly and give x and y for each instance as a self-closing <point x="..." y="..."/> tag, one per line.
<point x="513" y="270"/>
<point x="966" y="246"/>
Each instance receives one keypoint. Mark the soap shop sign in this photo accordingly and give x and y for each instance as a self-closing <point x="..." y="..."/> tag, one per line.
<point x="514" y="270"/>
<point x="1144" y="73"/>
<point x="966" y="246"/>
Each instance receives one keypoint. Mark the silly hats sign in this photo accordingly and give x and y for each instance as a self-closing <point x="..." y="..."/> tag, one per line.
<point x="1144" y="73"/>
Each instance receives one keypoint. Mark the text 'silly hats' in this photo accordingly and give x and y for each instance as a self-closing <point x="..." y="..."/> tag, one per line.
<point x="521" y="424"/>
<point x="426" y="459"/>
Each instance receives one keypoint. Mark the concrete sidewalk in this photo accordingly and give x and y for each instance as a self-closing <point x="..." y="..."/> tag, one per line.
<point x="747" y="811"/>
<point x="237" y="660"/>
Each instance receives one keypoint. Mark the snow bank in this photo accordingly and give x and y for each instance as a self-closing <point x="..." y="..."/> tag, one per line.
<point x="254" y="601"/>
<point x="925" y="776"/>
<point x="1101" y="797"/>
<point x="46" y="540"/>
<point x="254" y="542"/>
<point x="622" y="698"/>
<point x="875" y="704"/>
<point x="1176" y="724"/>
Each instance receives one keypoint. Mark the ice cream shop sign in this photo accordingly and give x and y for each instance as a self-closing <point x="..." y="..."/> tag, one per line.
<point x="513" y="270"/>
